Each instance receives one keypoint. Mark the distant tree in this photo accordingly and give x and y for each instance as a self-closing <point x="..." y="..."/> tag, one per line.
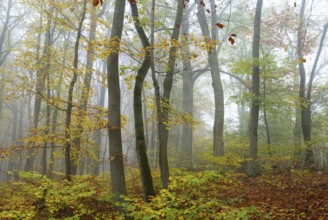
<point x="252" y="165"/>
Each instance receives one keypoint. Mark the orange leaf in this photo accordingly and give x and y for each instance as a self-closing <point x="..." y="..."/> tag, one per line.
<point x="219" y="25"/>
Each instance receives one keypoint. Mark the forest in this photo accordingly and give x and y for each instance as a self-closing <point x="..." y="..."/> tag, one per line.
<point x="163" y="109"/>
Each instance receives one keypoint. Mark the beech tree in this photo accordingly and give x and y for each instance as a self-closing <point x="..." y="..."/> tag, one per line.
<point x="147" y="181"/>
<point x="114" y="104"/>
<point x="252" y="164"/>
<point x="305" y="92"/>
<point x="211" y="40"/>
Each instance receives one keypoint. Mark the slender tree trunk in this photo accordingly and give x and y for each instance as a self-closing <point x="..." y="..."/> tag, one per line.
<point x="305" y="96"/>
<point x="55" y="118"/>
<point x="185" y="155"/>
<point x="218" y="143"/>
<point x="85" y="90"/>
<point x="46" y="56"/>
<point x="302" y="73"/>
<point x="2" y="40"/>
<point x="40" y="79"/>
<point x="147" y="181"/>
<point x="298" y="125"/>
<point x="144" y="112"/>
<point x="86" y="87"/>
<point x="68" y="141"/>
<point x="266" y="123"/>
<point x="168" y="82"/>
<point x="46" y="133"/>
<point x="160" y="125"/>
<point x="97" y="135"/>
<point x="114" y="104"/>
<point x="252" y="165"/>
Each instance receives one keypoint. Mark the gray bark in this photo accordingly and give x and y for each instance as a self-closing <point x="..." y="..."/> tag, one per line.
<point x="252" y="165"/>
<point x="168" y="82"/>
<point x="218" y="143"/>
<point x="114" y="105"/>
<point x="185" y="155"/>
<point x="2" y="40"/>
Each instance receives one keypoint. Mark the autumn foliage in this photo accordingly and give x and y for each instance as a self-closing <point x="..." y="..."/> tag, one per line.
<point x="191" y="195"/>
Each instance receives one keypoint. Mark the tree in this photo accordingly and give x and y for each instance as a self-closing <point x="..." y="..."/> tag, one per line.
<point x="68" y="140"/>
<point x="252" y="166"/>
<point x="147" y="181"/>
<point x="163" y="117"/>
<point x="185" y="158"/>
<point x="4" y="54"/>
<point x="305" y="94"/>
<point x="211" y="42"/>
<point x="114" y="104"/>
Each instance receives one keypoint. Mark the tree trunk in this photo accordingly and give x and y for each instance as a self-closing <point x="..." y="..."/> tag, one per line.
<point x="168" y="82"/>
<point x="2" y="41"/>
<point x="39" y="88"/>
<point x="68" y="141"/>
<point x="160" y="125"/>
<point x="266" y="122"/>
<point x="114" y="104"/>
<point x="218" y="143"/>
<point x="84" y="99"/>
<point x="97" y="135"/>
<point x="305" y="96"/>
<point x="185" y="155"/>
<point x="147" y="181"/>
<point x="252" y="165"/>
<point x="46" y="55"/>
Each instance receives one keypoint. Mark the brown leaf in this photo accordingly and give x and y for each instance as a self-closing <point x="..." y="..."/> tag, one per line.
<point x="303" y="60"/>
<point x="233" y="35"/>
<point x="219" y="25"/>
<point x="208" y="11"/>
<point x="133" y="1"/>
<point x="232" y="41"/>
<point x="201" y="2"/>
<point x="95" y="3"/>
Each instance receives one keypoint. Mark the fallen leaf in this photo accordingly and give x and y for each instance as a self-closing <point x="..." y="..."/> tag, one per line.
<point x="219" y="25"/>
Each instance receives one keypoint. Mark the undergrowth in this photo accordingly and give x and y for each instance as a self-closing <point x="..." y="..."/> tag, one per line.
<point x="191" y="195"/>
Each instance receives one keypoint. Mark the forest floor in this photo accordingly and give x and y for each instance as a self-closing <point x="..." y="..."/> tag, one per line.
<point x="192" y="195"/>
<point x="289" y="195"/>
